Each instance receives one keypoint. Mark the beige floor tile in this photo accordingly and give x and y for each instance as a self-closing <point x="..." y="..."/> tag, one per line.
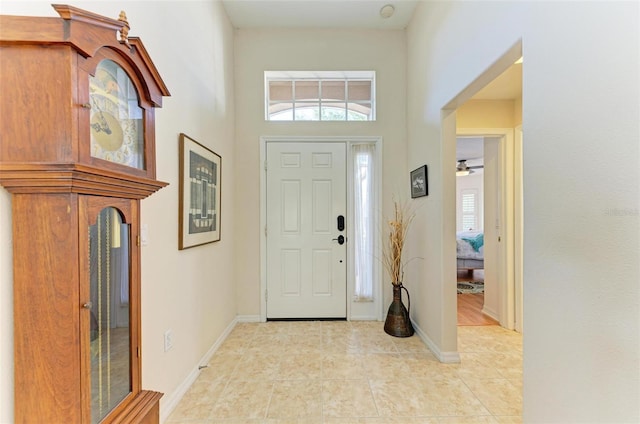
<point x="306" y="420"/>
<point x="311" y="343"/>
<point x="221" y="364"/>
<point x="300" y="367"/>
<point x="368" y="325"/>
<point x="381" y="420"/>
<point x="305" y="328"/>
<point x="336" y="327"/>
<point x="316" y="372"/>
<point x="488" y="339"/>
<point x="342" y="366"/>
<point x="277" y="342"/>
<point x="377" y="343"/>
<point x="257" y="366"/>
<point x="338" y="343"/>
<point x="517" y="383"/>
<point x="243" y="399"/>
<point x="347" y="398"/>
<point x="235" y="345"/>
<point x="187" y="411"/>
<point x="296" y="399"/>
<point x="383" y="366"/>
<point x="245" y="329"/>
<point x="478" y="365"/>
<point x="500" y="396"/>
<point x="511" y="359"/>
<point x="451" y="398"/>
<point x="485" y="419"/>
<point x="206" y="390"/>
<point x="509" y="420"/>
<point x="426" y="398"/>
<point x="272" y="327"/>
<point x="409" y="344"/>
<point x="199" y="400"/>
<point x="396" y="398"/>
<point x="511" y="373"/>
<point x="426" y="366"/>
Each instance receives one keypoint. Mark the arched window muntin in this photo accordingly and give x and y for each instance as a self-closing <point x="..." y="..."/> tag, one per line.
<point x="320" y="96"/>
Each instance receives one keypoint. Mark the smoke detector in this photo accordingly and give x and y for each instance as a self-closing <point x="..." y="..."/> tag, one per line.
<point x="387" y="11"/>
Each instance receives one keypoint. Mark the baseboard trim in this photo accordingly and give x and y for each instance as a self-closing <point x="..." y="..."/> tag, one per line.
<point x="248" y="318"/>
<point x="444" y="357"/>
<point x="363" y="318"/>
<point x="490" y="313"/>
<point x="170" y="403"/>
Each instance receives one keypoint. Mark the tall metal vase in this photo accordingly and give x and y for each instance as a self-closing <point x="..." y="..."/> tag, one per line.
<point x="398" y="323"/>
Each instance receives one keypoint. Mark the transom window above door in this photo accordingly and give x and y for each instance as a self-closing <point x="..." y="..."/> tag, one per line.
<point x="320" y="95"/>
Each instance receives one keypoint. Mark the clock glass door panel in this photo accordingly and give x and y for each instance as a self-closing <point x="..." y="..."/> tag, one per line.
<point x="110" y="341"/>
<point x="117" y="120"/>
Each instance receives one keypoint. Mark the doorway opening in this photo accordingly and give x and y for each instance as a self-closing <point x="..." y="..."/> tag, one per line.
<point x="486" y="244"/>
<point x="491" y="108"/>
<point x="470" y="233"/>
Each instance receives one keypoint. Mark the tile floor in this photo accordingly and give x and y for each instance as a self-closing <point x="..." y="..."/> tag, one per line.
<point x="352" y="372"/>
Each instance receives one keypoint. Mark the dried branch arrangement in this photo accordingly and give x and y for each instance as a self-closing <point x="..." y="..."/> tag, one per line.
<point x="396" y="233"/>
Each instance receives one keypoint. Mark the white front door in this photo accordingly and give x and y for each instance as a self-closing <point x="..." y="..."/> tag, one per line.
<point x="306" y="264"/>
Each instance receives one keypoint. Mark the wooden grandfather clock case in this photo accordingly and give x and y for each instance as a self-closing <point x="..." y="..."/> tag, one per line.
<point x="77" y="154"/>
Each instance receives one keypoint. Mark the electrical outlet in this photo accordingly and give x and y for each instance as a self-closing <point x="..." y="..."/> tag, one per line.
<point x="168" y="340"/>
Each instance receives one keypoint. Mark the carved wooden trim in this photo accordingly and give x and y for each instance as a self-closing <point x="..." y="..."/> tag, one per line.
<point x="74" y="178"/>
<point x="143" y="409"/>
<point x="162" y="90"/>
<point x="71" y="29"/>
<point x="72" y="13"/>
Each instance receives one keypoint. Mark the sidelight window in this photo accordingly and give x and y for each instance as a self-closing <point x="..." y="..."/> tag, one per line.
<point x="364" y="219"/>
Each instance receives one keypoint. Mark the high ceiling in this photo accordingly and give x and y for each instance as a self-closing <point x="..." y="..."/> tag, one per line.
<point x="360" y="14"/>
<point x="356" y="14"/>
<point x="318" y="13"/>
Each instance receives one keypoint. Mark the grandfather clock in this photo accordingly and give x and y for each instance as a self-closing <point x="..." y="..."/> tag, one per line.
<point x="77" y="154"/>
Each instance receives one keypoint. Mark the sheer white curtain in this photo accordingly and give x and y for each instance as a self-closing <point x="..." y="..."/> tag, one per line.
<point x="364" y="220"/>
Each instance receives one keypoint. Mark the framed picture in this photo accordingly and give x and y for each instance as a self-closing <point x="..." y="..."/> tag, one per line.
<point x="419" y="182"/>
<point x="200" y="184"/>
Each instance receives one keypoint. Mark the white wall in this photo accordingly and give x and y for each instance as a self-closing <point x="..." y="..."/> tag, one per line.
<point x="257" y="51"/>
<point x="191" y="292"/>
<point x="581" y="230"/>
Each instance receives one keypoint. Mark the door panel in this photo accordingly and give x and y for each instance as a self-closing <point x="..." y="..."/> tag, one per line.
<point x="290" y="277"/>
<point x="321" y="279"/>
<point x="306" y="267"/>
<point x="110" y="277"/>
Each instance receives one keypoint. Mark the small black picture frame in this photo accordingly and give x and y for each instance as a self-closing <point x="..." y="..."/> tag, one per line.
<point x="419" y="182"/>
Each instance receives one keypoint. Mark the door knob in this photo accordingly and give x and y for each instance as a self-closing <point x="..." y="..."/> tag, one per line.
<point x="340" y="239"/>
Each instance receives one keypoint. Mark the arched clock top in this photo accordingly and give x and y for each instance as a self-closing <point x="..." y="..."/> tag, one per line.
<point x="87" y="33"/>
<point x="151" y="87"/>
<point x="75" y="132"/>
<point x="113" y="34"/>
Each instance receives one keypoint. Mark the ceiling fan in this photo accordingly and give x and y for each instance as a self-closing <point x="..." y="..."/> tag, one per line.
<point x="463" y="169"/>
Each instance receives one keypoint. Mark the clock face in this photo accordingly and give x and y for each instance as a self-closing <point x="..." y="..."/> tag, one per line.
<point x="117" y="131"/>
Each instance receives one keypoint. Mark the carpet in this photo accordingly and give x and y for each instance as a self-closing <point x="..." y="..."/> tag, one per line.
<point x="470" y="287"/>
